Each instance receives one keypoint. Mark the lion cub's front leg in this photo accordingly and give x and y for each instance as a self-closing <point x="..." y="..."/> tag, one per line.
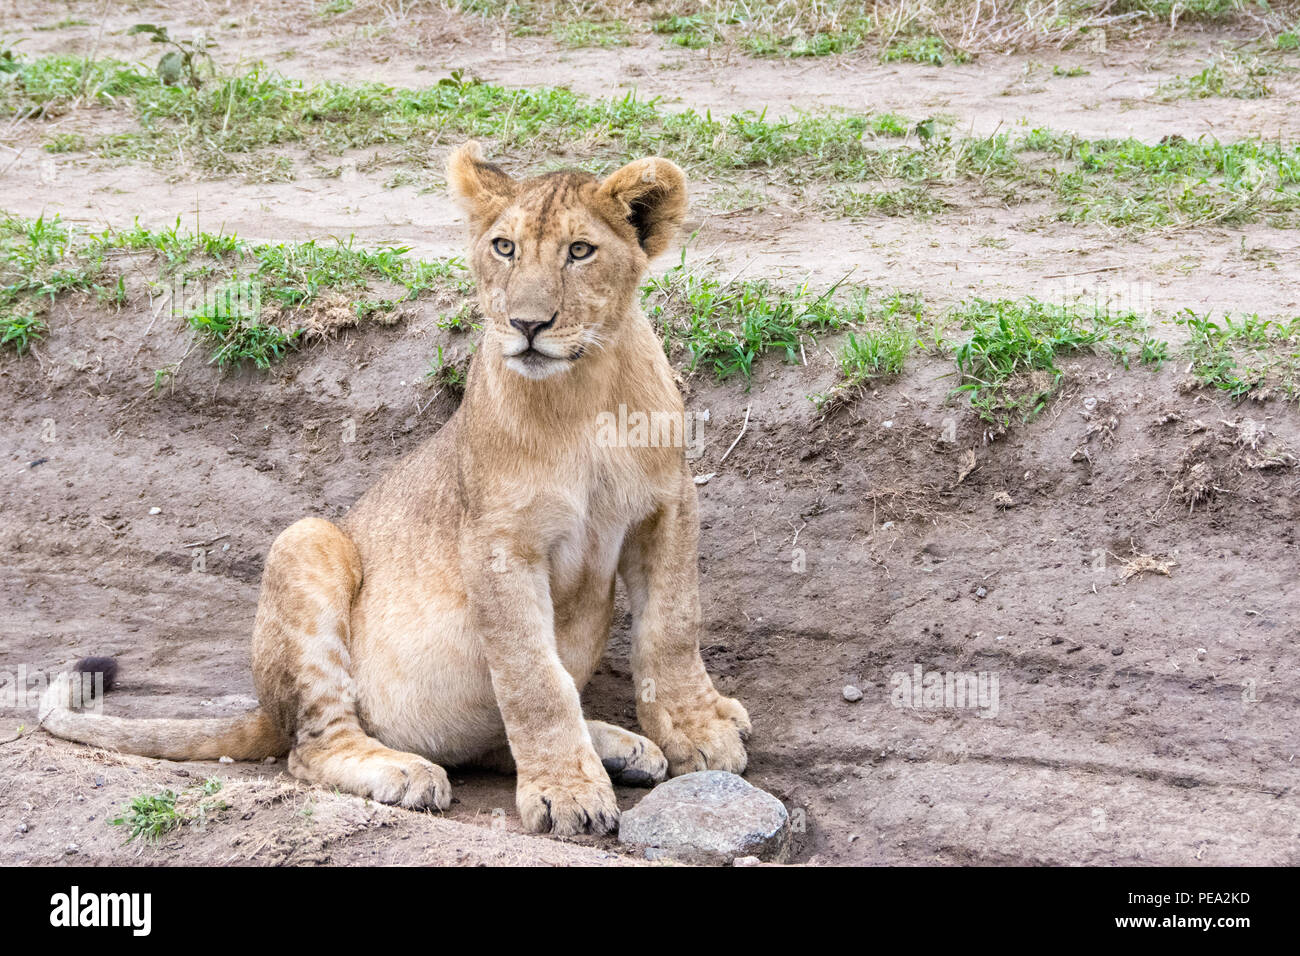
<point x="677" y="704"/>
<point x="563" y="787"/>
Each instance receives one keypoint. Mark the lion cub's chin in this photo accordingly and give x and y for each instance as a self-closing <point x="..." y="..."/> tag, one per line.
<point x="536" y="366"/>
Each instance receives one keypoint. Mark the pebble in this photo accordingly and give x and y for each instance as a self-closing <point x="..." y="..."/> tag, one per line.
<point x="851" y="693"/>
<point x="155" y="511"/>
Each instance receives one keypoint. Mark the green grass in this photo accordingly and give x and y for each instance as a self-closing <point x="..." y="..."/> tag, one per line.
<point x="450" y="372"/>
<point x="918" y="201"/>
<point x="1228" y="75"/>
<point x="1191" y="10"/>
<point x="725" y="326"/>
<point x="910" y="32"/>
<point x="37" y="266"/>
<point x="1246" y="357"/>
<point x="1007" y="358"/>
<point x="1173" y="182"/>
<point x="242" y="123"/>
<point x="152" y="817"/>
<point x="929" y="50"/>
<point x="20" y="329"/>
<point x="591" y="33"/>
<point x="878" y="349"/>
<point x="250" y="302"/>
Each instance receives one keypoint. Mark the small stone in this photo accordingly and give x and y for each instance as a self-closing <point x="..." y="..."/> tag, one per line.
<point x="1117" y="651"/>
<point x="981" y="592"/>
<point x="155" y="511"/>
<point x="225" y="760"/>
<point x="709" y="817"/>
<point x="71" y="848"/>
<point x="268" y="760"/>
<point x="22" y="828"/>
<point x="851" y="694"/>
<point x="746" y="861"/>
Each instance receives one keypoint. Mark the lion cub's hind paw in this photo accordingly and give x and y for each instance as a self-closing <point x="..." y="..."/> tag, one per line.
<point x="408" y="781"/>
<point x="630" y="759"/>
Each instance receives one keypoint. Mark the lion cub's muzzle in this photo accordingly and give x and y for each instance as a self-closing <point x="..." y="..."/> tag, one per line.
<point x="530" y="331"/>
<point x="531" y="352"/>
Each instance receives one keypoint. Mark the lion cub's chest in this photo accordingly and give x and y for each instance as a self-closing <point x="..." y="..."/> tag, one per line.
<point x="606" y="497"/>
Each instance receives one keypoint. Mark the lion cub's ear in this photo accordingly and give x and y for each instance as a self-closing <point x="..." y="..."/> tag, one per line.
<point x="480" y="188"/>
<point x="651" y="194"/>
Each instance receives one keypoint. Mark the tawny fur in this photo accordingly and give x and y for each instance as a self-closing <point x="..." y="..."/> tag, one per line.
<point x="465" y="600"/>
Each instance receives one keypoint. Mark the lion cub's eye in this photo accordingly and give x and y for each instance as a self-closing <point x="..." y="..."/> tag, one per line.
<point x="503" y="247"/>
<point x="581" y="250"/>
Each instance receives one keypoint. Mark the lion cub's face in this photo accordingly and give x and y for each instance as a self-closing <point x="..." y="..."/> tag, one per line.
<point x="558" y="258"/>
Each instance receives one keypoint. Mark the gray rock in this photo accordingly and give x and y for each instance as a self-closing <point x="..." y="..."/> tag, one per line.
<point x="708" y="817"/>
<point x="852" y="694"/>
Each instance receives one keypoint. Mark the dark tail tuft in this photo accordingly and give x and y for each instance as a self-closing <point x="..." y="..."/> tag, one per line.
<point x="99" y="665"/>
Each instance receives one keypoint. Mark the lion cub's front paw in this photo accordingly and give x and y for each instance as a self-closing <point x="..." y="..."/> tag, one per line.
<point x="709" y="739"/>
<point x="568" y="807"/>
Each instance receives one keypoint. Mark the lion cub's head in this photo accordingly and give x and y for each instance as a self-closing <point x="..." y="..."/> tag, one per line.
<point x="559" y="257"/>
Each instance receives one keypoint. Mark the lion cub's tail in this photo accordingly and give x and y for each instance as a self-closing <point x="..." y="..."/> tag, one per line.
<point x="250" y="736"/>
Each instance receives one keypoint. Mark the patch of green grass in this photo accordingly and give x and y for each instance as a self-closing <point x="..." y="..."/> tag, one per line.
<point x="1288" y="40"/>
<point x="1173" y="182"/>
<point x="65" y="24"/>
<point x="251" y="302"/>
<point x="591" y="33"/>
<point x="693" y="32"/>
<point x="21" y="329"/>
<point x="919" y="201"/>
<point x="449" y="372"/>
<point x="240" y="125"/>
<point x="726" y="326"/>
<point x="1154" y="352"/>
<point x="930" y="50"/>
<point x="1228" y="75"/>
<point x="877" y="350"/>
<point x="154" y="816"/>
<point x="1246" y="357"/>
<point x="36" y="266"/>
<point x="1007" y="360"/>
<point x="890" y="124"/>
<point x="1187" y="9"/>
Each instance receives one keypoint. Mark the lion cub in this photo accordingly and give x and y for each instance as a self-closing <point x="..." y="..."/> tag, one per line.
<point x="455" y="614"/>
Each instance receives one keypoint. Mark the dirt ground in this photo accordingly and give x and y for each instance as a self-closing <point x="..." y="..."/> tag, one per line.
<point x="1142" y="716"/>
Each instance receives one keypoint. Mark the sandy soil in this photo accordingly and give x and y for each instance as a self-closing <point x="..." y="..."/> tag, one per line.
<point x="1143" y="719"/>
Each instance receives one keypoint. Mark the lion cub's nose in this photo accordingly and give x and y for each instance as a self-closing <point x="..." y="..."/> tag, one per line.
<point x="530" y="329"/>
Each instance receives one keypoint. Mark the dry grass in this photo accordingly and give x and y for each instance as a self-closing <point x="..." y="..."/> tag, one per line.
<point x="971" y="26"/>
<point x="1140" y="564"/>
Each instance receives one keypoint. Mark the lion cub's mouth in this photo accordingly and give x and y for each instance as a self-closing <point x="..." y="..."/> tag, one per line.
<point x="535" y="364"/>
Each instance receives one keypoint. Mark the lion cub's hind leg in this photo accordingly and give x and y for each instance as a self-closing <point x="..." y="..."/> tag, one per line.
<point x="303" y="671"/>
